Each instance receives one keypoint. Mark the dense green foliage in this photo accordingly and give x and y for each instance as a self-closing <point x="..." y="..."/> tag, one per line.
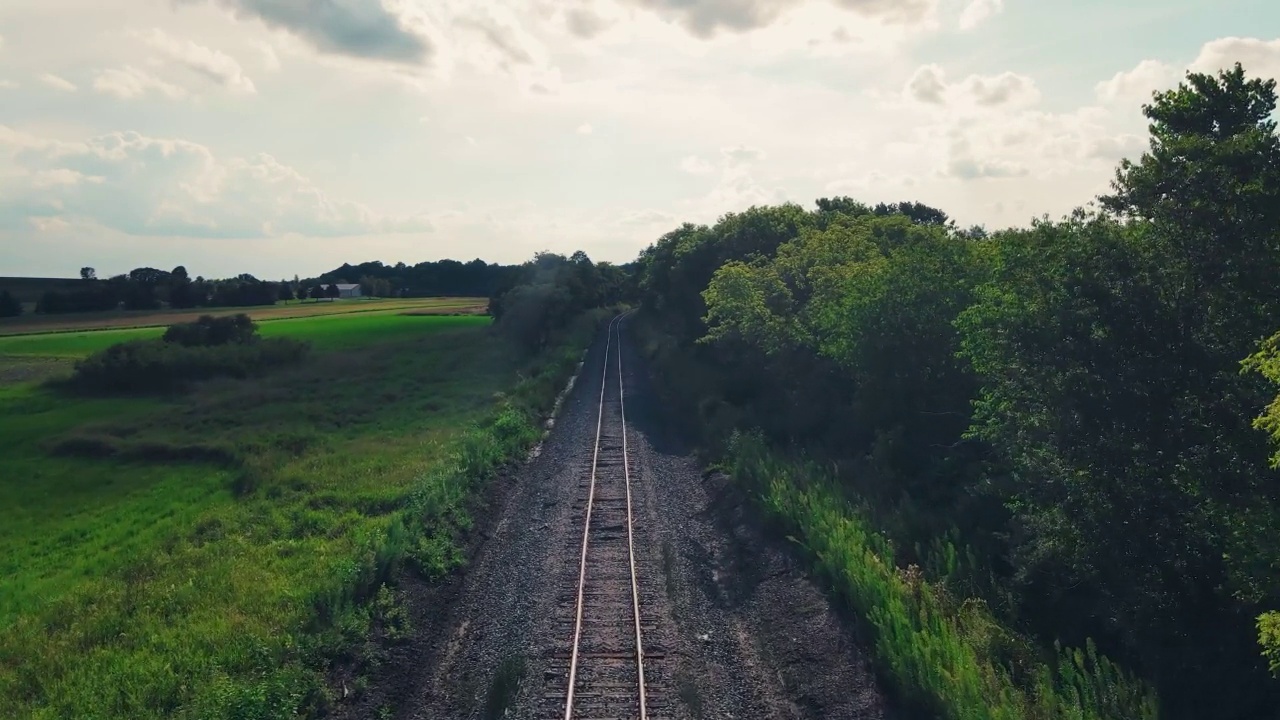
<point x="426" y="279"/>
<point x="1064" y="402"/>
<point x="550" y="291"/>
<point x="209" y="331"/>
<point x="188" y="352"/>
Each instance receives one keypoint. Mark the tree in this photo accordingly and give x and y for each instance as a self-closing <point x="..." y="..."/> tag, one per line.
<point x="10" y="306"/>
<point x="180" y="289"/>
<point x="285" y="293"/>
<point x="1109" y="349"/>
<point x="302" y="292"/>
<point x="1210" y="187"/>
<point x="317" y="292"/>
<point x="332" y="292"/>
<point x="919" y="213"/>
<point x="88" y="273"/>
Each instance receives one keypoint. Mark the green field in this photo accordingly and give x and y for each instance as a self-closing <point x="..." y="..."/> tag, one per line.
<point x="200" y="555"/>
<point x="325" y="331"/>
<point x="125" y="319"/>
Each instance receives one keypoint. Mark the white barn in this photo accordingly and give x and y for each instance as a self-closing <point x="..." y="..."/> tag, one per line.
<point x="346" y="290"/>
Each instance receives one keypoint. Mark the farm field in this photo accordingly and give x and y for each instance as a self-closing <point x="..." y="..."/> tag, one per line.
<point x="193" y="556"/>
<point x="324" y="331"/>
<point x="157" y="318"/>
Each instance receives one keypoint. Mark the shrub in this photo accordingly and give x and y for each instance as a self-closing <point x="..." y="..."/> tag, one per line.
<point x="209" y="331"/>
<point x="157" y="366"/>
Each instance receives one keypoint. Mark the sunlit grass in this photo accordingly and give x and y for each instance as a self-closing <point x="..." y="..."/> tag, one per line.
<point x="138" y="585"/>
<point x="946" y="657"/>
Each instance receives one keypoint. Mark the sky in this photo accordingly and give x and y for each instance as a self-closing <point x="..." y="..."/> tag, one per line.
<point x="283" y="137"/>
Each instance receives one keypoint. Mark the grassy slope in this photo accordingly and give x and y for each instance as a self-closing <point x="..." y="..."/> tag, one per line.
<point x="145" y="586"/>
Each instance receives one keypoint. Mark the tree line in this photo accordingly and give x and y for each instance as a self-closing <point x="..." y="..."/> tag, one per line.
<point x="1085" y="408"/>
<point x="149" y="289"/>
<point x="440" y="278"/>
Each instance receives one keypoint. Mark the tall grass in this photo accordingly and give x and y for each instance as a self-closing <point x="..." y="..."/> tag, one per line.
<point x="945" y="656"/>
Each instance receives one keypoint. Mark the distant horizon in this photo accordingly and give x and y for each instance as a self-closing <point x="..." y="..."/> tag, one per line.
<point x="102" y="275"/>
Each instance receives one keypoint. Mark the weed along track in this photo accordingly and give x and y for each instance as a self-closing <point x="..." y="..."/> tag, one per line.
<point x="604" y="670"/>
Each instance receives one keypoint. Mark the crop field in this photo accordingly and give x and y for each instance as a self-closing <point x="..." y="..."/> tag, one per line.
<point x="187" y="556"/>
<point x="158" y="318"/>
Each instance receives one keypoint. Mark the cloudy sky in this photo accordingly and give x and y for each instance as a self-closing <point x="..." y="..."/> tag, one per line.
<point x="289" y="136"/>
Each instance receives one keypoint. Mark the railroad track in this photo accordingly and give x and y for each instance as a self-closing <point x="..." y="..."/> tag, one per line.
<point x="605" y="670"/>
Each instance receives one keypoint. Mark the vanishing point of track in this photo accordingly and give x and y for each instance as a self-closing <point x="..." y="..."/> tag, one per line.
<point x="605" y="677"/>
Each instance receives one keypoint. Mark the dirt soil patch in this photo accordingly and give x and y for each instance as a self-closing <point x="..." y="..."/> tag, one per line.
<point x="17" y="370"/>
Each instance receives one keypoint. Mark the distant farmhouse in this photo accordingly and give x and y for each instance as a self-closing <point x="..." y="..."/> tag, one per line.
<point x="346" y="291"/>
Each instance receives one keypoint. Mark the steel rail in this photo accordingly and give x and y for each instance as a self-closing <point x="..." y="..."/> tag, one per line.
<point x="631" y="548"/>
<point x="614" y="327"/>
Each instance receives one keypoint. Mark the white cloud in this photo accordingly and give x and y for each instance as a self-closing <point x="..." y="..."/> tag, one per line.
<point x="8" y="85"/>
<point x="695" y="165"/>
<point x="208" y="63"/>
<point x="57" y="177"/>
<point x="978" y="11"/>
<point x="130" y="82"/>
<point x="970" y="168"/>
<point x="707" y="18"/>
<point x="1005" y="88"/>
<point x="584" y="22"/>
<point x="1260" y="58"/>
<point x="149" y="186"/>
<point x="1135" y="86"/>
<point x="929" y="85"/>
<point x="1117" y="147"/>
<point x="647" y="218"/>
<point x="741" y="154"/>
<point x="58" y="83"/>
<point x="270" y="60"/>
<point x="585" y="129"/>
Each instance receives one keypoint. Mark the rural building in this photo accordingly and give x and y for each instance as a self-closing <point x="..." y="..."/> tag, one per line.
<point x="346" y="291"/>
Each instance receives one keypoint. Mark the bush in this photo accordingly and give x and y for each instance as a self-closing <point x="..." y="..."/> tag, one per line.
<point x="209" y="331"/>
<point x="159" y="366"/>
